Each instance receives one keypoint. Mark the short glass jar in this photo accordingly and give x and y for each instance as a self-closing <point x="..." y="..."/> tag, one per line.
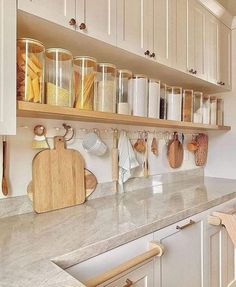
<point x="187" y="112"/>
<point x="140" y="95"/>
<point x="85" y="70"/>
<point x="30" y="70"/>
<point x="106" y="88"/>
<point x="59" y="73"/>
<point x="154" y="98"/>
<point x="163" y="102"/>
<point x="197" y="108"/>
<point x="123" y="91"/>
<point x="174" y="103"/>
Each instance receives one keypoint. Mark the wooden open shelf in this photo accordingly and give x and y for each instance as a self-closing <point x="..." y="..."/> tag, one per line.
<point x="44" y="111"/>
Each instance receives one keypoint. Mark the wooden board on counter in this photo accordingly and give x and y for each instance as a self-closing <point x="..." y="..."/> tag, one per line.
<point x="32" y="110"/>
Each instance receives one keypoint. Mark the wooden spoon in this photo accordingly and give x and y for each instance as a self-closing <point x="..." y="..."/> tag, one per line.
<point x="4" y="170"/>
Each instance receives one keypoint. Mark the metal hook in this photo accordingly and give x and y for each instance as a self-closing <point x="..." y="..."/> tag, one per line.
<point x="68" y="129"/>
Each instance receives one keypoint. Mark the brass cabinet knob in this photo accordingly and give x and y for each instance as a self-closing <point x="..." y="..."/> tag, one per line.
<point x="128" y="283"/>
<point x="191" y="71"/>
<point x="82" y="26"/>
<point x="219" y="83"/>
<point x="72" y="22"/>
<point x="153" y="55"/>
<point x="223" y="84"/>
<point x="195" y="72"/>
<point x="147" y="53"/>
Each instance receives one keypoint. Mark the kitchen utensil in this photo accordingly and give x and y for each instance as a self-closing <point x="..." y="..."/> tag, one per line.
<point x="4" y="167"/>
<point x="90" y="184"/>
<point x="145" y="163"/>
<point x="139" y="145"/>
<point x="154" y="146"/>
<point x="175" y="152"/>
<point x="93" y="144"/>
<point x="202" y="151"/>
<point x="193" y="145"/>
<point x="115" y="169"/>
<point x="40" y="140"/>
<point x="58" y="178"/>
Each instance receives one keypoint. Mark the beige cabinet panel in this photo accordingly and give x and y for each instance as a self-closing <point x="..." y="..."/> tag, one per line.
<point x="99" y="17"/>
<point x="59" y="11"/>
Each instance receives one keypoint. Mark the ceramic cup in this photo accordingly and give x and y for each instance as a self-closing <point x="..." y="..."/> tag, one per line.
<point x="93" y="144"/>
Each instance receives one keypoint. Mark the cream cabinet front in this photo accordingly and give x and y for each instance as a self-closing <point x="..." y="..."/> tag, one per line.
<point x="8" y="67"/>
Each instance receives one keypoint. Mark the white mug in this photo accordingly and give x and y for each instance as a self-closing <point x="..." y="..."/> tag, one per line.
<point x="93" y="144"/>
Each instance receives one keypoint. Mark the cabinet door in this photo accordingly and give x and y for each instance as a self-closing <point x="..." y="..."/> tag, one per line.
<point x="212" y="32"/>
<point x="99" y="18"/>
<point x="196" y="38"/>
<point x="132" y="25"/>
<point x="59" y="11"/>
<point x="8" y="67"/>
<point x="219" y="257"/>
<point x="181" y="264"/>
<point x="140" y="277"/>
<point x="224" y="55"/>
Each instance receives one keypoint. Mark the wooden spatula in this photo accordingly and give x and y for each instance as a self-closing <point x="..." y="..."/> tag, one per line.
<point x="4" y="167"/>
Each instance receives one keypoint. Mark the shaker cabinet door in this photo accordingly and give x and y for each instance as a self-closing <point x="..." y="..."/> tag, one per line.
<point x="8" y="67"/>
<point x="132" y="25"/>
<point x="196" y="39"/>
<point x="57" y="11"/>
<point x="97" y="19"/>
<point x="224" y="71"/>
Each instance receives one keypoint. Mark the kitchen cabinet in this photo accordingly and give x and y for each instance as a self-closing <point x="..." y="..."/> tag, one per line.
<point x="8" y="67"/>
<point x="97" y="19"/>
<point x="182" y="261"/>
<point x="60" y="11"/>
<point x="196" y="39"/>
<point x="224" y="61"/>
<point x="133" y="26"/>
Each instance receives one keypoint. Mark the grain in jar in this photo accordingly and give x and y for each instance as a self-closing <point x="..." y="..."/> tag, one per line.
<point x="106" y="88"/>
<point x="154" y="98"/>
<point x="206" y="109"/>
<point x="174" y="103"/>
<point x="30" y="70"/>
<point x="197" y="108"/>
<point x="220" y="112"/>
<point x="59" y="73"/>
<point x="140" y="95"/>
<point x="85" y="70"/>
<point x="187" y="113"/>
<point x="163" y="101"/>
<point x="123" y="90"/>
<point x="213" y="107"/>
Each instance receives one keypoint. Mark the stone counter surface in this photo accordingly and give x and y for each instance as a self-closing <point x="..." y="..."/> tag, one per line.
<point x="31" y="243"/>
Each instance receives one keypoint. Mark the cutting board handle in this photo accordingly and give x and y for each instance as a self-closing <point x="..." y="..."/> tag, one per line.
<point x="59" y="143"/>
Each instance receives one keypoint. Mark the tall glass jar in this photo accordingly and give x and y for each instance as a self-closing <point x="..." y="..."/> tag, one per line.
<point x="30" y="70"/>
<point x="154" y="98"/>
<point x="187" y="113"/>
<point x="206" y="109"/>
<point x="163" y="101"/>
<point x="220" y="112"/>
<point x="106" y="88"/>
<point x="140" y="95"/>
<point x="174" y="103"/>
<point x="59" y="72"/>
<point x="123" y="91"/>
<point x="197" y="108"/>
<point x="85" y="70"/>
<point x="213" y="104"/>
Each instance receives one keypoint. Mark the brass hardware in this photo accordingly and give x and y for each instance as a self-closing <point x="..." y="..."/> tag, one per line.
<point x="195" y="72"/>
<point x="72" y="22"/>
<point x="153" y="55"/>
<point x="191" y="71"/>
<point x="191" y="222"/>
<point x="147" y="53"/>
<point x="219" y="83"/>
<point x="128" y="283"/>
<point x="82" y="26"/>
<point x="223" y="84"/>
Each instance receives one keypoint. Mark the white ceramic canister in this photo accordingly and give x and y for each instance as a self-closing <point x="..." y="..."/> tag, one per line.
<point x="153" y="98"/>
<point x="140" y="95"/>
<point x="174" y="103"/>
<point x="206" y="109"/>
<point x="197" y="108"/>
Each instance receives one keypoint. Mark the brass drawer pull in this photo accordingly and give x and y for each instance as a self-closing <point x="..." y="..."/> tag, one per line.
<point x="191" y="222"/>
<point x="128" y="283"/>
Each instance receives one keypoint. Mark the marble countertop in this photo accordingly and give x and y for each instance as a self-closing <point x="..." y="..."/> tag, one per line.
<point x="31" y="243"/>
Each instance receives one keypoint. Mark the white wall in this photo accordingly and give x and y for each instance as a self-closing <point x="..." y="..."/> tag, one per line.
<point x="222" y="146"/>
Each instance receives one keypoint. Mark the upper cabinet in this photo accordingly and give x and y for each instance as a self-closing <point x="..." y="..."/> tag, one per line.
<point x="97" y="19"/>
<point x="8" y="67"/>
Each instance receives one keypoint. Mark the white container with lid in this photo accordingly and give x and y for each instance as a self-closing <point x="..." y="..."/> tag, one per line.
<point x="197" y="108"/>
<point x="174" y="103"/>
<point x="140" y="95"/>
<point x="153" y="98"/>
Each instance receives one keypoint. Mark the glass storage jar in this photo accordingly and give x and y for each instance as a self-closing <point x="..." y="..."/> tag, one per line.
<point x="213" y="113"/>
<point x="30" y="70"/>
<point x="174" y="103"/>
<point x="85" y="70"/>
<point x="123" y="90"/>
<point x="163" y="101"/>
<point x="206" y="109"/>
<point x="187" y="113"/>
<point x="59" y="71"/>
<point x="106" y="88"/>
<point x="220" y="112"/>
<point x="197" y="108"/>
<point x="140" y="95"/>
<point x="154" y="98"/>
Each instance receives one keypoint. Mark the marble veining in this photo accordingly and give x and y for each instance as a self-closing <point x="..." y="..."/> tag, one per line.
<point x="31" y="244"/>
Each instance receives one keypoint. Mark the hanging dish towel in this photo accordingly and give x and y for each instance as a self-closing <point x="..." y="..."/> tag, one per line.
<point x="127" y="159"/>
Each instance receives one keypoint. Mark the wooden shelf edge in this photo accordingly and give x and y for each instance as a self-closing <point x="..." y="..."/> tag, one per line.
<point x="33" y="110"/>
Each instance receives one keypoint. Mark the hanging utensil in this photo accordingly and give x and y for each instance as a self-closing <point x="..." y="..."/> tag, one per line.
<point x="115" y="155"/>
<point x="4" y="167"/>
<point x="202" y="150"/>
<point x="145" y="163"/>
<point x="175" y="152"/>
<point x="140" y="146"/>
<point x="40" y="140"/>
<point x="154" y="146"/>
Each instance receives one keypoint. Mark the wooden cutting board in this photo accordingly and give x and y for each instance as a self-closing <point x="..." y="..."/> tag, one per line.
<point x="57" y="178"/>
<point x="175" y="152"/>
<point x="202" y="150"/>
